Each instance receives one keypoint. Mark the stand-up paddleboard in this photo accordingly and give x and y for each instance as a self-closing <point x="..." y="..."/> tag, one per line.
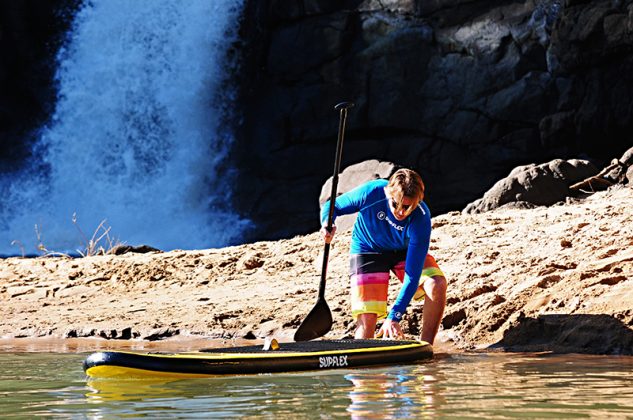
<point x="287" y="357"/>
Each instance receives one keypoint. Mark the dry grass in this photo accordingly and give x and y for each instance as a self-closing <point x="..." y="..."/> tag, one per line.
<point x="99" y="243"/>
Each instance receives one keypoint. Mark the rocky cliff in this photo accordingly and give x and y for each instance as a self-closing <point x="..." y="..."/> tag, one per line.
<point x="461" y="90"/>
<point x="31" y="31"/>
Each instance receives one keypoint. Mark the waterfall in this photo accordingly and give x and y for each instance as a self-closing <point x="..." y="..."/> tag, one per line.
<point x="137" y="137"/>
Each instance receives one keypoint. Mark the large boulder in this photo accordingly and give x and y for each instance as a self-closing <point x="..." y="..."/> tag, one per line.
<point x="627" y="157"/>
<point x="615" y="173"/>
<point x="350" y="178"/>
<point x="539" y="185"/>
<point x="627" y="161"/>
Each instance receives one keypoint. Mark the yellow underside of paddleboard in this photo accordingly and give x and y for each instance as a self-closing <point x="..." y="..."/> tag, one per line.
<point x="107" y="372"/>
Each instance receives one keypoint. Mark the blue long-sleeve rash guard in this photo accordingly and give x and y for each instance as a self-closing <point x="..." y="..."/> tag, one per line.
<point x="377" y="230"/>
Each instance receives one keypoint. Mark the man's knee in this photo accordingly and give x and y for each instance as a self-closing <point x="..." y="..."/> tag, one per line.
<point x="365" y="325"/>
<point x="367" y="319"/>
<point x="435" y="287"/>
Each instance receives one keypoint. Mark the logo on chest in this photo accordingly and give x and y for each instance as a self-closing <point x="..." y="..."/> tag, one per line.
<point x="383" y="216"/>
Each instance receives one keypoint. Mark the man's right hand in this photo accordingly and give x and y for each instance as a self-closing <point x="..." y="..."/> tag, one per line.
<point x="328" y="235"/>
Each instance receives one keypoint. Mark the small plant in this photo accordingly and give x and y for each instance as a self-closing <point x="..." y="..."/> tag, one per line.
<point x="20" y="245"/>
<point x="45" y="252"/>
<point x="92" y="246"/>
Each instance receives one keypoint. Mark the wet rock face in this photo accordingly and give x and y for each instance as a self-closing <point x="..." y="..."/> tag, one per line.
<point x="462" y="91"/>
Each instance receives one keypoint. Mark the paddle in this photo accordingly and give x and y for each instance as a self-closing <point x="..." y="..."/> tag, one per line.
<point x="319" y="320"/>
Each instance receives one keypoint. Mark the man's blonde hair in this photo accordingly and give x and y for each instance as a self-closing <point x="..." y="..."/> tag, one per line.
<point x="406" y="183"/>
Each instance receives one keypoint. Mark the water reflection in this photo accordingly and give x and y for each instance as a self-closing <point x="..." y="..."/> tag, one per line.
<point x="283" y="395"/>
<point x="385" y="395"/>
<point x="100" y="390"/>
<point x="412" y="391"/>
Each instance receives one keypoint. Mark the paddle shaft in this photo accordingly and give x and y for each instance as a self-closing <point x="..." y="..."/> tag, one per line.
<point x="319" y="320"/>
<point x="337" y="166"/>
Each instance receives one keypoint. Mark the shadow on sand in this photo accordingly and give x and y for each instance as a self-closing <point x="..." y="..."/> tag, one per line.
<point x="588" y="334"/>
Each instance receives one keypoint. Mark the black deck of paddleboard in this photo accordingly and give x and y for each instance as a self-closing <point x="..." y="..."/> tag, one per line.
<point x="312" y="355"/>
<point x="313" y="346"/>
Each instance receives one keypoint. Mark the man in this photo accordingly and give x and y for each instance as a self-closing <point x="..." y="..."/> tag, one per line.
<point x="392" y="232"/>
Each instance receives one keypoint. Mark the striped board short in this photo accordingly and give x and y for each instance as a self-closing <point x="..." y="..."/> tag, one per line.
<point x="369" y="274"/>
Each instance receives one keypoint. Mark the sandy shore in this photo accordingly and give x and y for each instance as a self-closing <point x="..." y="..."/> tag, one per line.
<point x="556" y="278"/>
<point x="92" y="344"/>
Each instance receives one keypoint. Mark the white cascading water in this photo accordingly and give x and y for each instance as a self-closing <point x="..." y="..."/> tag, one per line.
<point x="136" y="138"/>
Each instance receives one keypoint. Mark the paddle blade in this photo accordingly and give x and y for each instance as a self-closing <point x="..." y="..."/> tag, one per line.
<point x="317" y="323"/>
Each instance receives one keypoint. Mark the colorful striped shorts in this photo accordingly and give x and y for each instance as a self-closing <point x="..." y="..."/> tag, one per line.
<point x="369" y="274"/>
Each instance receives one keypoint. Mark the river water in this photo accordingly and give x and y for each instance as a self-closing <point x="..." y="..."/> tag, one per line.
<point x="461" y="385"/>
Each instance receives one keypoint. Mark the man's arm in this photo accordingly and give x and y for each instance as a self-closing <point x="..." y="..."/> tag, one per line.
<point x="348" y="203"/>
<point x="416" y="254"/>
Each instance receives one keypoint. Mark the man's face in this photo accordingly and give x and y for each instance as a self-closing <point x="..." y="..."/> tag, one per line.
<point x="403" y="208"/>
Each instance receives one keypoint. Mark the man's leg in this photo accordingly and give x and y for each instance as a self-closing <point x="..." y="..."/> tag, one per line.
<point x="434" y="304"/>
<point x="369" y="278"/>
<point x="433" y="290"/>
<point x="365" y="325"/>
